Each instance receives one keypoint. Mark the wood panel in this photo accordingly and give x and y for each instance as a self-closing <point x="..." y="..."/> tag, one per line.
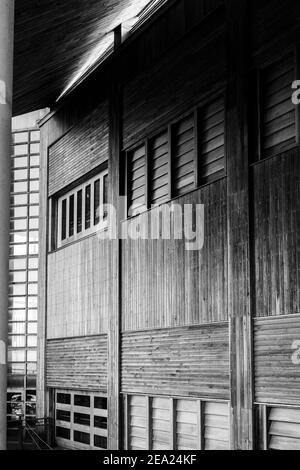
<point x="216" y="426"/>
<point x="136" y="174"/>
<point x="238" y="224"/>
<point x="78" y="289"/>
<point x="79" y="151"/>
<point x="166" y="285"/>
<point x="148" y="104"/>
<point x="159" y="168"/>
<point x="277" y="372"/>
<point x="77" y="363"/>
<point x="183" y="155"/>
<point x="276" y="195"/>
<point x="278" y="112"/>
<point x="284" y="429"/>
<point x="211" y="132"/>
<point x="161" y="413"/>
<point x="183" y="361"/>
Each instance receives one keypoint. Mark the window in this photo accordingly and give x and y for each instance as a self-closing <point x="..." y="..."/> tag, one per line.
<point x="81" y="420"/>
<point x="273" y="113"/>
<point x="82" y="211"/>
<point x="186" y="154"/>
<point x="154" y="423"/>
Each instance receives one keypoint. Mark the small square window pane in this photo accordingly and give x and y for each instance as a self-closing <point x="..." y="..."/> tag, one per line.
<point x="32" y="302"/>
<point x="34" y="160"/>
<point x="16" y="355"/>
<point x="31" y="368"/>
<point x="17" y="289"/>
<point x="34" y="236"/>
<point x="19" y="200"/>
<point x="35" y="148"/>
<point x="16" y="341"/>
<point x="17" y="276"/>
<point x="17" y="315"/>
<point x="32" y="276"/>
<point x="34" y="173"/>
<point x="16" y="328"/>
<point x="33" y="223"/>
<point x="19" y="187"/>
<point x="31" y="328"/>
<point x="32" y="315"/>
<point x="33" y="248"/>
<point x="34" y="198"/>
<point x="31" y="341"/>
<point x="20" y="162"/>
<point x="16" y="368"/>
<point x="19" y="175"/>
<point x="17" y="302"/>
<point x="34" y="136"/>
<point x="18" y="237"/>
<point x="20" y="224"/>
<point x="18" y="250"/>
<point x="20" y="137"/>
<point x="32" y="289"/>
<point x="31" y="356"/>
<point x="33" y="263"/>
<point x="18" y="212"/>
<point x="17" y="264"/>
<point x="33" y="211"/>
<point x="20" y="149"/>
<point x="34" y="185"/>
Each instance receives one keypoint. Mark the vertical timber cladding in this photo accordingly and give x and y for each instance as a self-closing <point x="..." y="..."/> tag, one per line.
<point x="238" y="227"/>
<point x="276" y="196"/>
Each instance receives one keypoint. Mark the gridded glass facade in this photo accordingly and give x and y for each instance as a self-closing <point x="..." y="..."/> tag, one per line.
<point x="23" y="274"/>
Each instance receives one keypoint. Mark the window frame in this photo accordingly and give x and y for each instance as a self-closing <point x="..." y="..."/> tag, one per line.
<point x="168" y="127"/>
<point x="84" y="232"/>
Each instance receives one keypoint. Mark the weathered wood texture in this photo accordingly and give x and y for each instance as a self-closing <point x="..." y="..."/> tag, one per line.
<point x="190" y="361"/>
<point x="77" y="363"/>
<point x="81" y="150"/>
<point x="165" y="285"/>
<point x="274" y="27"/>
<point x="238" y="225"/>
<point x="284" y="429"/>
<point x="149" y="104"/>
<point x="79" y="282"/>
<point x="277" y="370"/>
<point x="276" y="196"/>
<point x="158" y="423"/>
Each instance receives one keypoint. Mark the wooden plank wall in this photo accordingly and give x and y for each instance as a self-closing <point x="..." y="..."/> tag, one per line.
<point x="191" y="361"/>
<point x="164" y="285"/>
<point x="83" y="148"/>
<point x="78" y="289"/>
<point x="148" y="104"/>
<point x="276" y="225"/>
<point x="77" y="363"/>
<point x="277" y="371"/>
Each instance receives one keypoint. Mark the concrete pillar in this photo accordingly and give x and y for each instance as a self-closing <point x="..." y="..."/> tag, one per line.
<point x="6" y="79"/>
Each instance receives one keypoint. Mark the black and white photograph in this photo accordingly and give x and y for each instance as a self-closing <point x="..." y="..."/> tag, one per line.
<point x="149" y="229"/>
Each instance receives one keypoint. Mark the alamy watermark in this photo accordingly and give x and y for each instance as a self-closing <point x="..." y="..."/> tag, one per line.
<point x="172" y="221"/>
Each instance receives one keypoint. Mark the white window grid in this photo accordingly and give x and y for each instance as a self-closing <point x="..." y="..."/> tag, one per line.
<point x="101" y="225"/>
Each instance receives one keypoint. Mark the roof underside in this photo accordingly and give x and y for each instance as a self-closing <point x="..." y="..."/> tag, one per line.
<point x="54" y="40"/>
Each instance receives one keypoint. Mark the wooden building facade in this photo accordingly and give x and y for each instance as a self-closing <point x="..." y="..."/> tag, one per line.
<point x="142" y="343"/>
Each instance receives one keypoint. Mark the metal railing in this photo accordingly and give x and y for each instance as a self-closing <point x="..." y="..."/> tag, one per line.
<point x="36" y="434"/>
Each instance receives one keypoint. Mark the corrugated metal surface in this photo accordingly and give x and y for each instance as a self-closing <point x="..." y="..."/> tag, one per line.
<point x="277" y="373"/>
<point x="81" y="150"/>
<point x="77" y="363"/>
<point x="183" y="361"/>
